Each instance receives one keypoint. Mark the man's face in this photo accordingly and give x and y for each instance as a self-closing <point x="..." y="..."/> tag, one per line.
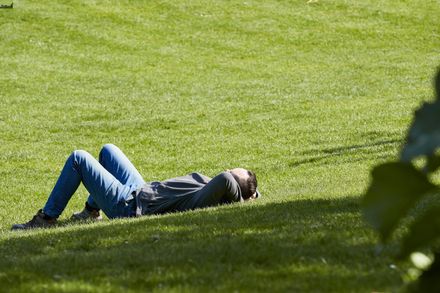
<point x="241" y="174"/>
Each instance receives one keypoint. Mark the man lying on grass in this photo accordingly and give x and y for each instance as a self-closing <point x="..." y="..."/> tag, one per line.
<point x="117" y="188"/>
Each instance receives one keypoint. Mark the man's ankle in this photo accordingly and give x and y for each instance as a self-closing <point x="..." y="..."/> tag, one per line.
<point x="90" y="208"/>
<point x="46" y="216"/>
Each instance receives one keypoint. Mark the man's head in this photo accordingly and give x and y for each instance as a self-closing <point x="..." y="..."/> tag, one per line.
<point x="247" y="181"/>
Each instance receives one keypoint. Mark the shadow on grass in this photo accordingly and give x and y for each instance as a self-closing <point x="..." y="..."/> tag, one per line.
<point x="302" y="245"/>
<point x="324" y="154"/>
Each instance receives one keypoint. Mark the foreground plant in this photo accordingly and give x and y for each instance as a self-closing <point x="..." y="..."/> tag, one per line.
<point x="398" y="188"/>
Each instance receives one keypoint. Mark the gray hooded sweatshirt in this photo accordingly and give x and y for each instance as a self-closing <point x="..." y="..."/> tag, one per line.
<point x="186" y="193"/>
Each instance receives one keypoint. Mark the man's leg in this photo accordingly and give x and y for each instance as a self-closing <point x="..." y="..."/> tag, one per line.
<point x="117" y="163"/>
<point x="108" y="193"/>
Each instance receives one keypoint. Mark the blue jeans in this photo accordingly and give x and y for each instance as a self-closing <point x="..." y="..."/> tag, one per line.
<point x="110" y="183"/>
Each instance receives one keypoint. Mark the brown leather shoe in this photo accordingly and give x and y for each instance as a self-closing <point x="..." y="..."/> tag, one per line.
<point x="40" y="220"/>
<point x="86" y="215"/>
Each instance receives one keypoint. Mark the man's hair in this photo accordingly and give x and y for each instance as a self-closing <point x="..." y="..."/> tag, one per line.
<point x="248" y="187"/>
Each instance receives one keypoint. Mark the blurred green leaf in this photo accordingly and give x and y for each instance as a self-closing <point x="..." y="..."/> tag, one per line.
<point x="424" y="134"/>
<point x="433" y="163"/>
<point x="424" y="230"/>
<point x="420" y="260"/>
<point x="429" y="281"/>
<point x="394" y="189"/>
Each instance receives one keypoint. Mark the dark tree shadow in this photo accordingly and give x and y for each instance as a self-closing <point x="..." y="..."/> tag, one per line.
<point x="311" y="245"/>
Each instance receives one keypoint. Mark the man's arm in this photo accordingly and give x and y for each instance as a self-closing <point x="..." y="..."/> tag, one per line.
<point x="223" y="188"/>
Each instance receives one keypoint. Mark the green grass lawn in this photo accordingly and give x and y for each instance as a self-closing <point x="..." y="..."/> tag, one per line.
<point x="308" y="95"/>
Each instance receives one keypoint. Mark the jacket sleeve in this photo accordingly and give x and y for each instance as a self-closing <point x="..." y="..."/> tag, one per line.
<point x="223" y="188"/>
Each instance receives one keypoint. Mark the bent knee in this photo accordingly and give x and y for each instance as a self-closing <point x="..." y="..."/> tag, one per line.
<point x="80" y="154"/>
<point x="108" y="147"/>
